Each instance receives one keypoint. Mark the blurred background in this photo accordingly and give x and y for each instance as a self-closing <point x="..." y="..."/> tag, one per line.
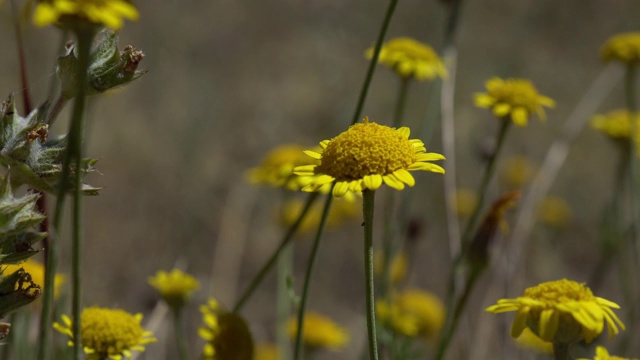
<point x="229" y="80"/>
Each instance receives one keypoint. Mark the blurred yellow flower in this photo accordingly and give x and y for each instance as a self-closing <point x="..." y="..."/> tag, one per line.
<point x="276" y="168"/>
<point x="342" y="210"/>
<point x="366" y="156"/>
<point x="320" y="332"/>
<point x="554" y="211"/>
<point x="617" y="125"/>
<point x="110" y="13"/>
<point x="175" y="287"/>
<point x="513" y="99"/>
<point x="226" y="334"/>
<point x="561" y="311"/>
<point x="267" y="351"/>
<point x="108" y="333"/>
<point x="531" y="341"/>
<point x="398" y="268"/>
<point x="36" y="270"/>
<point x="413" y="312"/>
<point x="517" y="171"/>
<point x="622" y="47"/>
<point x="410" y="58"/>
<point x="603" y="354"/>
<point x="465" y="202"/>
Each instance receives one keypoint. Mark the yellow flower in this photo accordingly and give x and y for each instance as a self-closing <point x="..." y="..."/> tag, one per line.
<point x="465" y="202"/>
<point x="276" y="168"/>
<point x="561" y="311"/>
<point x="398" y="268"/>
<point x="603" y="354"/>
<point x="413" y="312"/>
<point x="517" y="171"/>
<point x="410" y="58"/>
<point x="227" y="334"/>
<point x="36" y="270"/>
<point x="554" y="211"/>
<point x="320" y="332"/>
<point x="110" y="13"/>
<point x="341" y="211"/>
<point x="108" y="333"/>
<point x="267" y="352"/>
<point x="531" y="341"/>
<point x="514" y="99"/>
<point x="622" y="47"/>
<point x="366" y="156"/>
<point x="175" y="287"/>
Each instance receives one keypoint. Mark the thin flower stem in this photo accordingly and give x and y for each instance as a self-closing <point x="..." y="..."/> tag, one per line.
<point x="181" y="335"/>
<point x="22" y="59"/>
<point x="367" y="212"/>
<point x="401" y="102"/>
<point x="297" y="354"/>
<point x="561" y="351"/>
<point x="374" y="61"/>
<point x="630" y="91"/>
<point x="274" y="257"/>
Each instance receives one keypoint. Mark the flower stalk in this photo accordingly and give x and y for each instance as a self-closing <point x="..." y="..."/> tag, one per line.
<point x="367" y="211"/>
<point x="181" y="338"/>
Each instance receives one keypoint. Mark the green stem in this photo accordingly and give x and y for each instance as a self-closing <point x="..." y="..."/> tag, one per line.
<point x="297" y="353"/>
<point x="283" y="302"/>
<point x="274" y="257"/>
<point x="401" y="101"/>
<point x="374" y="61"/>
<point x="367" y="212"/>
<point x="181" y="338"/>
<point x="630" y="91"/>
<point x="561" y="351"/>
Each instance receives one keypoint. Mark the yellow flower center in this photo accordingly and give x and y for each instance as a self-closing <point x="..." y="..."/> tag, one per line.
<point x="561" y="291"/>
<point x="516" y="92"/>
<point x="110" y="331"/>
<point x="366" y="149"/>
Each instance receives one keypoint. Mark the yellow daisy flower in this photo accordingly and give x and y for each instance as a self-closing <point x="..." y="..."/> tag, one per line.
<point x="554" y="211"/>
<point x="108" y="333"/>
<point x="366" y="156"/>
<point x="622" y="47"/>
<point x="320" y="332"/>
<point x="175" y="287"/>
<point x="561" y="311"/>
<point x="398" y="268"/>
<point x="603" y="354"/>
<point x="413" y="312"/>
<point x="277" y="167"/>
<point x="517" y="171"/>
<point x="514" y="99"/>
<point x="465" y="202"/>
<point x="110" y="13"/>
<point x="227" y="334"/>
<point x="615" y="123"/>
<point x="410" y="58"/>
<point x="36" y="270"/>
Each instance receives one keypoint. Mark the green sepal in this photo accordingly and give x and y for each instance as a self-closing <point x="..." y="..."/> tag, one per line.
<point x="17" y="290"/>
<point x="18" y="248"/>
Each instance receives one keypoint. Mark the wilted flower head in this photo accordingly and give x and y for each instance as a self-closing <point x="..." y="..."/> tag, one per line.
<point x="622" y="47"/>
<point x="110" y="13"/>
<point x="561" y="311"/>
<point x="36" y="270"/>
<point x="513" y="99"/>
<point x="366" y="156"/>
<point x="175" y="287"/>
<point x="108" y="333"/>
<point x="227" y="334"/>
<point x="410" y="58"/>
<point x="413" y="312"/>
<point x="320" y="332"/>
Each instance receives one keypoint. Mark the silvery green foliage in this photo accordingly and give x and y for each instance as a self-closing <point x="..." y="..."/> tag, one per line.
<point x="34" y="157"/>
<point x="108" y="67"/>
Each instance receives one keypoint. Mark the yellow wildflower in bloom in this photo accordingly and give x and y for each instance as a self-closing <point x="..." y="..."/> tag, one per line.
<point x="554" y="211"/>
<point x="517" y="171"/>
<point x="175" y="287"/>
<point x="227" y="335"/>
<point x="465" y="202"/>
<point x="413" y="312"/>
<point x="410" y="58"/>
<point x="513" y="99"/>
<point x="267" y="352"/>
<point x="342" y="210"/>
<point x="320" y="332"/>
<point x="110" y="13"/>
<point x="398" y="268"/>
<point x="622" y="47"/>
<point x="561" y="311"/>
<point x="531" y="341"/>
<point x="366" y="156"/>
<point x="603" y="354"/>
<point x="36" y="270"/>
<point x="108" y="333"/>
<point x="276" y="168"/>
<point x="617" y="125"/>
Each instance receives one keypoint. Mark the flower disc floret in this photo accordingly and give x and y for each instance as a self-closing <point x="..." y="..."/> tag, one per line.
<point x="622" y="47"/>
<point x="514" y="99"/>
<point x="110" y="13"/>
<point x="410" y="58"/>
<point x="561" y="311"/>
<point x="366" y="156"/>
<point x="108" y="333"/>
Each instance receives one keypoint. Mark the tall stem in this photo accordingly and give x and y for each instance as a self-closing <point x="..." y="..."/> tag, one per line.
<point x="367" y="211"/>
<point x="401" y="102"/>
<point x="181" y="339"/>
<point x="374" y="60"/>
<point x="307" y="278"/>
